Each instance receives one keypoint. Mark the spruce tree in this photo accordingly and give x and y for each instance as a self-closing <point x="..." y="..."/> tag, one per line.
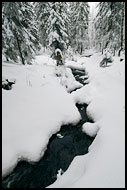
<point x="79" y="18"/>
<point x="56" y="27"/>
<point x="109" y="25"/>
<point x="42" y="13"/>
<point x="19" y="33"/>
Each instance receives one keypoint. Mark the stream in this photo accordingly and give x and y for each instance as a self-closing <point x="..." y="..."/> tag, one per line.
<point x="62" y="148"/>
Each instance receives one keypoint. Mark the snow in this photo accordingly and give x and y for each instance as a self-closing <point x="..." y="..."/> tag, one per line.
<point x="90" y="129"/>
<point x="58" y="50"/>
<point x="59" y="135"/>
<point x="104" y="165"/>
<point x="39" y="104"/>
<point x="59" y="173"/>
<point x="36" y="107"/>
<point x="67" y="79"/>
<point x="107" y="53"/>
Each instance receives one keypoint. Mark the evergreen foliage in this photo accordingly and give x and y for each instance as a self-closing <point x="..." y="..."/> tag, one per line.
<point x="109" y="25"/>
<point x="42" y="13"/>
<point x="79" y="18"/>
<point x="19" y="33"/>
<point x="63" y="25"/>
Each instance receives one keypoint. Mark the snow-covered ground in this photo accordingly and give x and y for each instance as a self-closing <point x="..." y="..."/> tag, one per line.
<point x="36" y="107"/>
<point x="39" y="104"/>
<point x="104" y="165"/>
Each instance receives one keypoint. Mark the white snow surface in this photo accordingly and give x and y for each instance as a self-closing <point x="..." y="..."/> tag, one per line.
<point x="90" y="129"/>
<point x="104" y="165"/>
<point x="36" y="107"/>
<point x="58" y="50"/>
<point x="39" y="104"/>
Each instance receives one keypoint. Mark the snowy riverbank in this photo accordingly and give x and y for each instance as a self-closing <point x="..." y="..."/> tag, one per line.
<point x="104" y="165"/>
<point x="39" y="104"/>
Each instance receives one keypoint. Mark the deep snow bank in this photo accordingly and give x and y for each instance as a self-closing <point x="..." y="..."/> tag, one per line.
<point x="32" y="111"/>
<point x="104" y="165"/>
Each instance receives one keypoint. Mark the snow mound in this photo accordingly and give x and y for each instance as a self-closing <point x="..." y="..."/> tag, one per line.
<point x="66" y="78"/>
<point x="104" y="165"/>
<point x="34" y="109"/>
<point x="90" y="129"/>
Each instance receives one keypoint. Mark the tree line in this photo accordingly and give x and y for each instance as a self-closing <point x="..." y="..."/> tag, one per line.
<point x="110" y="26"/>
<point x="26" y="26"/>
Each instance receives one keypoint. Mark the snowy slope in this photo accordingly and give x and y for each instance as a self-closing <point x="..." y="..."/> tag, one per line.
<point x="39" y="104"/>
<point x="104" y="165"/>
<point x="33" y="110"/>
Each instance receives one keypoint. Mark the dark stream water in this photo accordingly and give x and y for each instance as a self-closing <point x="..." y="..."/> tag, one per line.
<point x="79" y="75"/>
<point x="62" y="148"/>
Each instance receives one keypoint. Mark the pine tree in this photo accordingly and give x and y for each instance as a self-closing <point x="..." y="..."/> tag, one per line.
<point x="52" y="24"/>
<point x="42" y="13"/>
<point x="109" y="25"/>
<point x="91" y="29"/>
<point x="9" y="45"/>
<point x="56" y="27"/>
<point x="79" y="18"/>
<point x="19" y="34"/>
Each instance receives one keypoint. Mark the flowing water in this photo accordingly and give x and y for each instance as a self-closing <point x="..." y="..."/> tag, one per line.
<point x="62" y="148"/>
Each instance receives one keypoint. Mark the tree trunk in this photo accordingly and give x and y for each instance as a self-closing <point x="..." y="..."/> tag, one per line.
<point x="81" y="48"/>
<point x="7" y="59"/>
<point x="102" y="51"/>
<point x="119" y="52"/>
<point x="100" y="45"/>
<point x="19" y="48"/>
<point x="114" y="51"/>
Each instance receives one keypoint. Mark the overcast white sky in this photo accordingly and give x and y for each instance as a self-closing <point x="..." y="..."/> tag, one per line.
<point x="93" y="7"/>
<point x="92" y="4"/>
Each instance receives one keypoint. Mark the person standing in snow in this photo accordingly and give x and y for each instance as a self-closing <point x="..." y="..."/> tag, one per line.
<point x="60" y="67"/>
<point x="58" y="57"/>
